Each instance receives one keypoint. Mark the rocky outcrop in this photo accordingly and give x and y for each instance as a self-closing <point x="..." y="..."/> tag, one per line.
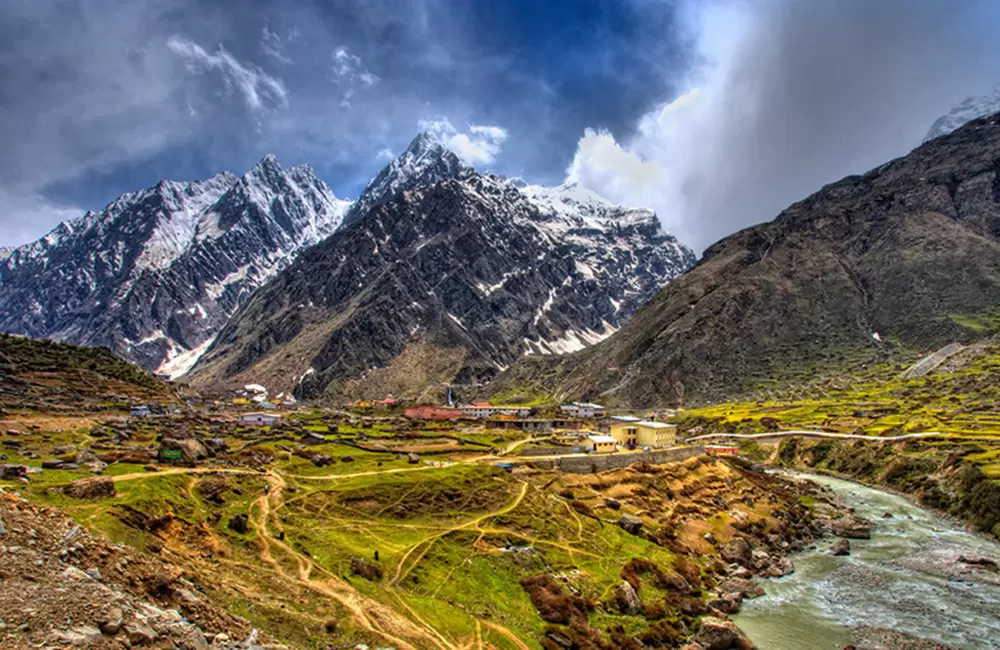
<point x="719" y="634"/>
<point x="852" y="527"/>
<point x="101" y="487"/>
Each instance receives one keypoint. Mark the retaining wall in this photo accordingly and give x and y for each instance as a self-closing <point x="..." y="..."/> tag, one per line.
<point x="600" y="462"/>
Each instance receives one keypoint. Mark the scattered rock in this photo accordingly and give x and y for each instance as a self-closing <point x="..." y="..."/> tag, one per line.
<point x="614" y="504"/>
<point x="710" y="538"/>
<point x="840" y="547"/>
<point x="313" y="438"/>
<point x="738" y="551"/>
<point x="745" y="588"/>
<point x="628" y="599"/>
<point x="100" y="487"/>
<point x="238" y="523"/>
<point x="413" y="458"/>
<point x="85" y="635"/>
<point x="365" y="569"/>
<point x="139" y="633"/>
<point x="630" y="524"/>
<point x="718" y="634"/>
<point x="852" y="527"/>
<point x="12" y="472"/>
<point x="110" y="622"/>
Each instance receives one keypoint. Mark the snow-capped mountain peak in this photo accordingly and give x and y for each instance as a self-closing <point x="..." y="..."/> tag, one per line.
<point x="970" y="109"/>
<point x="425" y="162"/>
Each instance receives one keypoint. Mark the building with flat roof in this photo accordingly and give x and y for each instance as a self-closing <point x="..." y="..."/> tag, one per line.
<point x="644" y="434"/>
<point x="598" y="443"/>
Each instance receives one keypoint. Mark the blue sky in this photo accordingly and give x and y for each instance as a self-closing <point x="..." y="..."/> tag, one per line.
<point x="717" y="113"/>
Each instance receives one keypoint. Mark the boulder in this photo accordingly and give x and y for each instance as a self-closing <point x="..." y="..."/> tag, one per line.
<point x="139" y="633"/>
<point x="98" y="487"/>
<point x="737" y="551"/>
<point x="782" y="567"/>
<point x="851" y="527"/>
<point x="10" y="472"/>
<point x="727" y="603"/>
<point x="745" y="588"/>
<point x="840" y="547"/>
<point x="313" y="438"/>
<point x="630" y="524"/>
<point x="412" y="458"/>
<point x="53" y="463"/>
<point x="759" y="559"/>
<point x="719" y="634"/>
<point x="191" y="450"/>
<point x="614" y="504"/>
<point x="238" y="523"/>
<point x="85" y="456"/>
<point x="110" y="621"/>
<point x="628" y="599"/>
<point x="216" y="446"/>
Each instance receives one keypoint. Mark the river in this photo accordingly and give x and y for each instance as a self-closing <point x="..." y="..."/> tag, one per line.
<point x="907" y="577"/>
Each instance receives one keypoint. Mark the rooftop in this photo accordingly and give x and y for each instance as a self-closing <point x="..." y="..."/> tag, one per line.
<point x="626" y="418"/>
<point x="601" y="438"/>
<point x="655" y="425"/>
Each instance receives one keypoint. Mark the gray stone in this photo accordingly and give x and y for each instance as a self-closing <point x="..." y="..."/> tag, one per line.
<point x="630" y="524"/>
<point x="738" y="551"/>
<point x="629" y="600"/>
<point x="718" y="634"/>
<point x="139" y="633"/>
<point x="840" y="547"/>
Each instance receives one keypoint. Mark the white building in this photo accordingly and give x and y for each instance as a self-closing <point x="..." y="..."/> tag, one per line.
<point x="583" y="410"/>
<point x="265" y="419"/>
<point x="484" y="411"/>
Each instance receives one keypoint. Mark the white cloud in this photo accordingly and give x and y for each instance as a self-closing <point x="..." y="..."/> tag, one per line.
<point x="258" y="89"/>
<point x="349" y="67"/>
<point x="385" y="154"/>
<point x="271" y="45"/>
<point x="480" y="145"/>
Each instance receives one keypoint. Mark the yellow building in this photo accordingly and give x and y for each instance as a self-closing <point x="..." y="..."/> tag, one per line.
<point x="600" y="443"/>
<point x="644" y="434"/>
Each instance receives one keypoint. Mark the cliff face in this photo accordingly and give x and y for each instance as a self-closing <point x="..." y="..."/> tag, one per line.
<point x="905" y="255"/>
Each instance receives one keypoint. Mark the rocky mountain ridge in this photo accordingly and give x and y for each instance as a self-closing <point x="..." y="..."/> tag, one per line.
<point x="970" y="109"/>
<point x="447" y="282"/>
<point x="156" y="273"/>
<point x="905" y="257"/>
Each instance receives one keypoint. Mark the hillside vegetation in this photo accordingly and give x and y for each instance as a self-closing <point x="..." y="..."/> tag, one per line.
<point x="44" y="374"/>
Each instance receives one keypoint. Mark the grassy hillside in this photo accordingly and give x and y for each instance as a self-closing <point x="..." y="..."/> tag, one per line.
<point x="45" y="374"/>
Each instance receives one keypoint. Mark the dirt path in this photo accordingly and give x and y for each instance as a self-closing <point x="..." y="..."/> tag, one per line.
<point x="369" y="614"/>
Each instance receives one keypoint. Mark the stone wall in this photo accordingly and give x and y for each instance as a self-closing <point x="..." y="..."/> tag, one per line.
<point x="594" y="463"/>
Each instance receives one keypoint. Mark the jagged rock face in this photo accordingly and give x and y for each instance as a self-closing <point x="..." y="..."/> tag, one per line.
<point x="450" y="282"/>
<point x="157" y="273"/>
<point x="909" y="251"/>
<point x="425" y="162"/>
<point x="970" y="109"/>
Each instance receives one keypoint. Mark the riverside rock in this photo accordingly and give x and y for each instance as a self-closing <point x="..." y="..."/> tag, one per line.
<point x="840" y="547"/>
<point x="718" y="634"/>
<point x="737" y="551"/>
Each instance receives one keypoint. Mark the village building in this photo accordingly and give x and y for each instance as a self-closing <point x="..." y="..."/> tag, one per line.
<point x="533" y="424"/>
<point x="583" y="410"/>
<point x="427" y="412"/>
<point x="139" y="411"/>
<point x="644" y="434"/>
<point x="722" y="450"/>
<point x="599" y="443"/>
<point x="264" y="419"/>
<point x="482" y="411"/>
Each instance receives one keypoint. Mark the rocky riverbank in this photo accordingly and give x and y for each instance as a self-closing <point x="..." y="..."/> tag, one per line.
<point x="914" y="571"/>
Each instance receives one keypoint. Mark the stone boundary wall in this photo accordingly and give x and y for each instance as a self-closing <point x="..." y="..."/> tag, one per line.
<point x="600" y="462"/>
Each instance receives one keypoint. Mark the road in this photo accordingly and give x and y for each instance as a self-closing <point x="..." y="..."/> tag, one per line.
<point x="815" y="434"/>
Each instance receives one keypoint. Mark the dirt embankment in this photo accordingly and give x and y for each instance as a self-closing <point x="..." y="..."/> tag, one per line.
<point x="61" y="586"/>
